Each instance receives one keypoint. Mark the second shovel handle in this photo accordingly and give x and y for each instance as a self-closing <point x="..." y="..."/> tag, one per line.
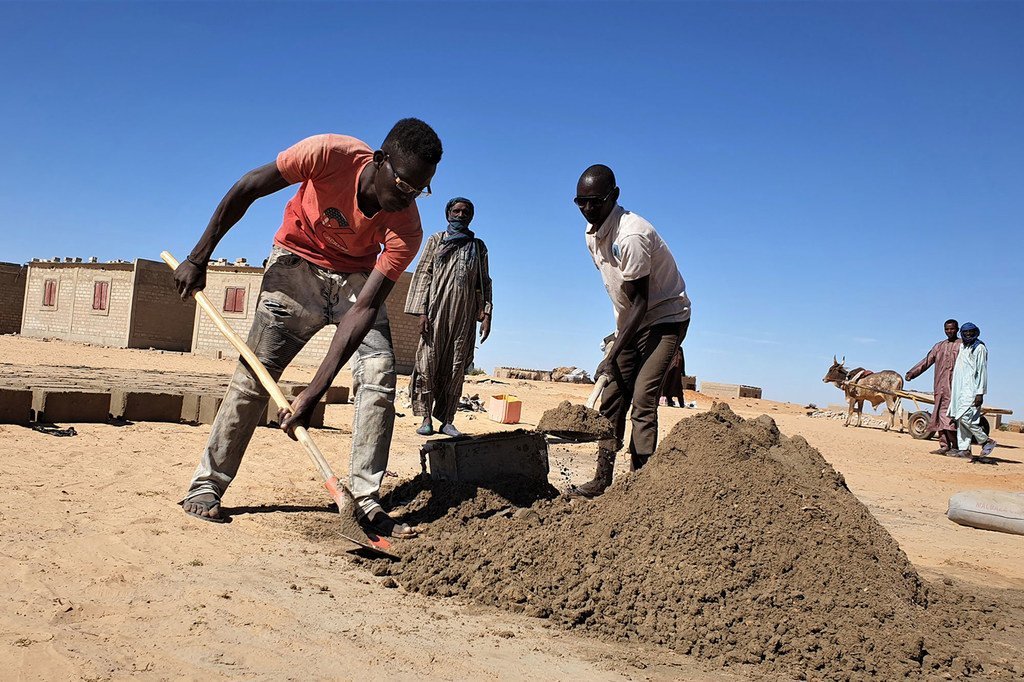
<point x="595" y="395"/>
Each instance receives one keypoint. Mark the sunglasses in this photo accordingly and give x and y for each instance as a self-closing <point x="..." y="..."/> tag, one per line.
<point x="583" y="201"/>
<point x="405" y="186"/>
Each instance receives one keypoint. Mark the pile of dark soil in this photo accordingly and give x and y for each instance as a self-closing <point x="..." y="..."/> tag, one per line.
<point x="568" y="419"/>
<point x="734" y="544"/>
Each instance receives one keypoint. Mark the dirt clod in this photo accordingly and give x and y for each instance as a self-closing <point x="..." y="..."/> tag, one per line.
<point x="569" y="418"/>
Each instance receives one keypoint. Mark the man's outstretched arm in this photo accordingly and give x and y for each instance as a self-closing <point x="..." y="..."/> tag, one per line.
<point x="921" y="367"/>
<point x="352" y="329"/>
<point x="190" y="276"/>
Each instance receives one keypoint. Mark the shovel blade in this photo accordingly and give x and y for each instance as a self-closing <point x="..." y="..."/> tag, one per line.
<point x="350" y="528"/>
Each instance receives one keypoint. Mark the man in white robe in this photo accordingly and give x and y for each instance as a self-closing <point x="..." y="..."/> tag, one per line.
<point x="970" y="383"/>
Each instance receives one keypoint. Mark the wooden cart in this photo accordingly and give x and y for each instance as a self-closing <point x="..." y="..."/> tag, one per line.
<point x="916" y="422"/>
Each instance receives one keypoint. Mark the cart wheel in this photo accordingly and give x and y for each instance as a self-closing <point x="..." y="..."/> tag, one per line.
<point x="918" y="425"/>
<point x="984" y="427"/>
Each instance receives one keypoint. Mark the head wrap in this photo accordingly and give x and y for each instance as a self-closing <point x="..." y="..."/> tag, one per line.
<point x="970" y="327"/>
<point x="459" y="200"/>
<point x="458" y="232"/>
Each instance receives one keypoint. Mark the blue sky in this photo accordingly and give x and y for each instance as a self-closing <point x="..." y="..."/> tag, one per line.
<point x="832" y="178"/>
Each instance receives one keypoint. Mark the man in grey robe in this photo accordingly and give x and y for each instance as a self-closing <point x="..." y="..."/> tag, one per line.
<point x="943" y="357"/>
<point x="450" y="293"/>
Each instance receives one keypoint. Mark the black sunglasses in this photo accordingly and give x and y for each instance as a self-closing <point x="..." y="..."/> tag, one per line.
<point x="583" y="201"/>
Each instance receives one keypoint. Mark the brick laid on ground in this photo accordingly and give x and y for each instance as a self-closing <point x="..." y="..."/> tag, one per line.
<point x="146" y="406"/>
<point x="15" y="406"/>
<point x="57" y="406"/>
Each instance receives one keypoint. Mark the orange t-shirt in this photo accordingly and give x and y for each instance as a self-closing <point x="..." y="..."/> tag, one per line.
<point x="323" y="223"/>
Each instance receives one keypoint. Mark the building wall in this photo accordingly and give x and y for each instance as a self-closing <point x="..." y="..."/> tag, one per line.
<point x="207" y="339"/>
<point x="159" y="318"/>
<point x="12" y="296"/>
<point x="718" y="390"/>
<point x="405" y="329"/>
<point x="73" y="318"/>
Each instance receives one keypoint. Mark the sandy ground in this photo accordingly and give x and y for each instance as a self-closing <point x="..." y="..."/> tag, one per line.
<point x="107" y="579"/>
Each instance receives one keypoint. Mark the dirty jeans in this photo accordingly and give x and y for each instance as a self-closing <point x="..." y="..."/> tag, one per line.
<point x="968" y="426"/>
<point x="641" y="366"/>
<point x="298" y="299"/>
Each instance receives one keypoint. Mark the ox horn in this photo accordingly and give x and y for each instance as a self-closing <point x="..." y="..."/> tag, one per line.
<point x="834" y="361"/>
<point x="843" y="361"/>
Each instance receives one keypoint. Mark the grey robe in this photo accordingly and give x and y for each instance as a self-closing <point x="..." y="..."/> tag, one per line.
<point x="453" y="293"/>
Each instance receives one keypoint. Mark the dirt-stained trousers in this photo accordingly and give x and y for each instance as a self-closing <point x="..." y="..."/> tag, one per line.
<point x="298" y="299"/>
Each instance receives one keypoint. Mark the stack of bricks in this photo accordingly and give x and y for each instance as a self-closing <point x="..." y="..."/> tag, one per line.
<point x="12" y="297"/>
<point x="72" y="394"/>
<point x="520" y="373"/>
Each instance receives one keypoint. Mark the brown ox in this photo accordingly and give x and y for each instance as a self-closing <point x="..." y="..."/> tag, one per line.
<point x="861" y="384"/>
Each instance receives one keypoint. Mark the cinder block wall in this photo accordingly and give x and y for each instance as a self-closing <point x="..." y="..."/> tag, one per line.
<point x="205" y="336"/>
<point x="12" y="296"/>
<point x="73" y="318"/>
<point x="405" y="329"/>
<point x="159" y="318"/>
<point x="719" y="390"/>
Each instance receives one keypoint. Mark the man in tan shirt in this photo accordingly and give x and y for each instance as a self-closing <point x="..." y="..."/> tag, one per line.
<point x="652" y="314"/>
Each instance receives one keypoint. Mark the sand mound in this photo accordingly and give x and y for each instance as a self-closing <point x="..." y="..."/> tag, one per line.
<point x="734" y="544"/>
<point x="568" y="419"/>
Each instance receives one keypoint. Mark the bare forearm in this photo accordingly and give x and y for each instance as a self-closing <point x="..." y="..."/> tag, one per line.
<point x="634" y="316"/>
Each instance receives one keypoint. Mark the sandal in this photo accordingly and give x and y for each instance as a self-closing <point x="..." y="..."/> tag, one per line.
<point x="380" y="523"/>
<point x="207" y="505"/>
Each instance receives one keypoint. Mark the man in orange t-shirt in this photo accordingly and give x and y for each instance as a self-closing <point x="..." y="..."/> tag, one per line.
<point x="348" y="233"/>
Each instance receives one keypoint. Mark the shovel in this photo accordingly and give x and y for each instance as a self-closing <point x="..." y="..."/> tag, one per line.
<point x="350" y="528"/>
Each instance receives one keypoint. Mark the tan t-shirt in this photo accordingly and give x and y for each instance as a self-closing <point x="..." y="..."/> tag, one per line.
<point x="626" y="248"/>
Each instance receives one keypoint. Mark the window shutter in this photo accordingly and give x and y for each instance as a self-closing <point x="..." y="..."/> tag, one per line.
<point x="234" y="300"/>
<point x="49" y="292"/>
<point x="100" y="295"/>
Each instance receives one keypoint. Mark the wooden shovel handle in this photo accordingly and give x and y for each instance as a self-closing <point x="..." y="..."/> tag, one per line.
<point x="595" y="394"/>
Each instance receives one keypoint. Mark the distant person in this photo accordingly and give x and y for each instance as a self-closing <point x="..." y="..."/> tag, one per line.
<point x="943" y="356"/>
<point x="353" y="204"/>
<point x="672" y="386"/>
<point x="652" y="314"/>
<point x="450" y="293"/>
<point x="970" y="383"/>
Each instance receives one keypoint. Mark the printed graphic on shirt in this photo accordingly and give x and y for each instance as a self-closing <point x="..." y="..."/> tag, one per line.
<point x="338" y="217"/>
<point x="335" y="224"/>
